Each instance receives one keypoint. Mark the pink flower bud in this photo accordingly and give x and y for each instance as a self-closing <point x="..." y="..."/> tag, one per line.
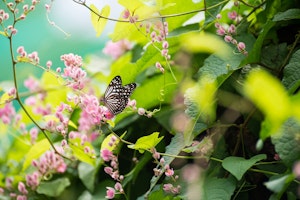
<point x="110" y="193"/>
<point x="141" y="111"/>
<point x="165" y="45"/>
<point x="227" y="38"/>
<point x="232" y="15"/>
<point x="241" y="46"/>
<point x="126" y="14"/>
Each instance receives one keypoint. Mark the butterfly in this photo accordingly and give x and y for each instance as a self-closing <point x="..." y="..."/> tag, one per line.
<point x="116" y="96"/>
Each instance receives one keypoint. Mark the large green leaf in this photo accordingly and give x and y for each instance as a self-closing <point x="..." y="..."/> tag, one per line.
<point x="287" y="15"/>
<point x="291" y="73"/>
<point x="218" y="189"/>
<point x="87" y="175"/>
<point x="53" y="188"/>
<point x="238" y="166"/>
<point x="220" y="69"/>
<point x="255" y="53"/>
<point x="180" y="6"/>
<point x="287" y="143"/>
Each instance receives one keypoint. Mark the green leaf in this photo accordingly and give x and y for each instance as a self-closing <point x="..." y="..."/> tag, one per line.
<point x="220" y="69"/>
<point x="288" y="141"/>
<point x="87" y="175"/>
<point x="78" y="151"/>
<point x="218" y="189"/>
<point x="205" y="43"/>
<point x="238" y="166"/>
<point x="146" y="142"/>
<point x="99" y="20"/>
<point x="202" y="94"/>
<point x="53" y="188"/>
<point x="211" y="13"/>
<point x="277" y="184"/>
<point x="269" y="95"/>
<point x="179" y="6"/>
<point x="287" y="15"/>
<point x="291" y="73"/>
<point x="35" y="152"/>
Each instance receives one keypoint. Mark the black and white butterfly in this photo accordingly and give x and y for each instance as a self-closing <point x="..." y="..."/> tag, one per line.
<point x="116" y="96"/>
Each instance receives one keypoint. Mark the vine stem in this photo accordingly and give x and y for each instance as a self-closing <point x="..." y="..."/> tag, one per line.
<point x="83" y="3"/>
<point x="17" y="98"/>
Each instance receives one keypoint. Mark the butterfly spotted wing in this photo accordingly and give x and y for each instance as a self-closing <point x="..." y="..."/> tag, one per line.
<point x="116" y="96"/>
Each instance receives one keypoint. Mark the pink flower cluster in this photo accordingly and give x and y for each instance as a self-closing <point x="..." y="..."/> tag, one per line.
<point x="92" y="112"/>
<point x="111" y="192"/>
<point x="7" y="113"/>
<point x="117" y="49"/>
<point x="32" y="57"/>
<point x="169" y="172"/>
<point x="50" y="163"/>
<point x="76" y="76"/>
<point x="230" y="31"/>
<point x="112" y="170"/>
<point x="37" y="102"/>
<point x="131" y="17"/>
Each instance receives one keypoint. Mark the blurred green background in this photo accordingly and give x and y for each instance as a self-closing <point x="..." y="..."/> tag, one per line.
<point x="35" y="33"/>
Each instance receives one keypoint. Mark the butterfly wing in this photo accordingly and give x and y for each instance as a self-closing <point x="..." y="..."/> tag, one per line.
<point x="116" y="96"/>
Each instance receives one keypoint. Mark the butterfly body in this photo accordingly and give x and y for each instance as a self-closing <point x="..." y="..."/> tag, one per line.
<point x="116" y="96"/>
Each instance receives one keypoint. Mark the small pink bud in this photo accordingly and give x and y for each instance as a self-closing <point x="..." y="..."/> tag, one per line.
<point x="231" y="29"/>
<point x="25" y="7"/>
<point x="232" y="15"/>
<point x="241" y="46"/>
<point x="165" y="45"/>
<point x="110" y="193"/>
<point x="49" y="64"/>
<point x="219" y="16"/>
<point x="12" y="92"/>
<point x="126" y="14"/>
<point x="227" y="38"/>
<point x="141" y="111"/>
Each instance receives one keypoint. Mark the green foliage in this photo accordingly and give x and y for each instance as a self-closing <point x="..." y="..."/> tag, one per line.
<point x="146" y="143"/>
<point x="79" y="153"/>
<point x="99" y="23"/>
<point x="53" y="188"/>
<point x="35" y="152"/>
<point x="238" y="166"/>
<point x="206" y="104"/>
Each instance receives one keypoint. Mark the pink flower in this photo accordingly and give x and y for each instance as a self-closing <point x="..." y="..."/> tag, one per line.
<point x="108" y="170"/>
<point x="167" y="187"/>
<point x="22" y="188"/>
<point x="221" y="31"/>
<point x="7" y="113"/>
<point x="232" y="15"/>
<point x="241" y="46"/>
<point x="118" y="187"/>
<point x="231" y="29"/>
<point x="106" y="155"/>
<point x="169" y="171"/>
<point x="126" y="14"/>
<point x="110" y="193"/>
<point x="32" y="84"/>
<point x="116" y="49"/>
<point x="228" y="38"/>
